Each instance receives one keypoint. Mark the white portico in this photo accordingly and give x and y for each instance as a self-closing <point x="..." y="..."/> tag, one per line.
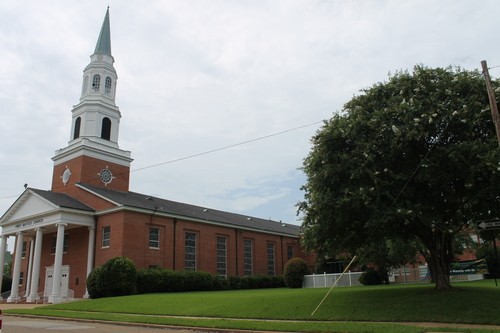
<point x="34" y="214"/>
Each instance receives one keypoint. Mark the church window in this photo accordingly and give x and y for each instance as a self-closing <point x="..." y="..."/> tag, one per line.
<point x="23" y="251"/>
<point x="154" y="238"/>
<point x="289" y="252"/>
<point x="96" y="83"/>
<point x="106" y="129"/>
<point x="248" y="257"/>
<point x="271" y="271"/>
<point x="106" y="236"/>
<point x="222" y="256"/>
<point x="107" y="86"/>
<point x="85" y="84"/>
<point x="190" y="251"/>
<point x="76" y="133"/>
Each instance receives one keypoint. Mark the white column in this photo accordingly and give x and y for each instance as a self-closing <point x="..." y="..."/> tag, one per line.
<point x="35" y="276"/>
<point x="90" y="257"/>
<point x="3" y="248"/>
<point x="14" y="290"/>
<point x="30" y="265"/>
<point x="55" y="297"/>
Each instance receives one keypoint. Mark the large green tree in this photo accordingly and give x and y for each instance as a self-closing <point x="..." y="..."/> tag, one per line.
<point x="412" y="159"/>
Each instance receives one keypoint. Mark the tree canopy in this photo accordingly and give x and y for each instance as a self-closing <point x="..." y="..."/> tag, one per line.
<point x="414" y="159"/>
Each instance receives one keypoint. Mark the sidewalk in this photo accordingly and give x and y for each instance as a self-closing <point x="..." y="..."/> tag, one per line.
<point x="7" y="306"/>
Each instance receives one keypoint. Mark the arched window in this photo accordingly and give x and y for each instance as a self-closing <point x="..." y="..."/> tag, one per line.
<point x="96" y="83"/>
<point x="76" y="133"/>
<point x="85" y="84"/>
<point x="107" y="87"/>
<point x="106" y="129"/>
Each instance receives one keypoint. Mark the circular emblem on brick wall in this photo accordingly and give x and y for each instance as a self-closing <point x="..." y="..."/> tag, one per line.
<point x="66" y="175"/>
<point x="106" y="176"/>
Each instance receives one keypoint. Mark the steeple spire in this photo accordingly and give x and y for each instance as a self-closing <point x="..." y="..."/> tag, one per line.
<point x="103" y="45"/>
<point x="93" y="155"/>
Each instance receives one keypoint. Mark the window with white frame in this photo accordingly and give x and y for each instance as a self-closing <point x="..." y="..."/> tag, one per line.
<point x="248" y="257"/>
<point x="154" y="238"/>
<point x="85" y="84"/>
<point x="271" y="260"/>
<point x="221" y="256"/>
<point x="190" y="251"/>
<point x="289" y="252"/>
<point x="107" y="85"/>
<point x="96" y="83"/>
<point x="106" y="236"/>
<point x="23" y="251"/>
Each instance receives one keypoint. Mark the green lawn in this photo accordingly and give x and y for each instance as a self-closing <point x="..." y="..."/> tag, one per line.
<point x="470" y="303"/>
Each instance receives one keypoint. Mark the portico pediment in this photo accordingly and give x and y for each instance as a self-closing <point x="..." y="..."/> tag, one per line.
<point x="38" y="208"/>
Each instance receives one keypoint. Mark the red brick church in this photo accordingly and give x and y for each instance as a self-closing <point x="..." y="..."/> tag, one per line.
<point x="90" y="216"/>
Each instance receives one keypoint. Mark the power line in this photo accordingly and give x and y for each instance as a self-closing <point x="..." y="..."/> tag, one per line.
<point x="227" y="147"/>
<point x="212" y="150"/>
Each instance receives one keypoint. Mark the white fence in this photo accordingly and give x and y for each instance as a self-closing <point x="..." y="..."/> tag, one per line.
<point x="421" y="274"/>
<point x="404" y="275"/>
<point x="327" y="280"/>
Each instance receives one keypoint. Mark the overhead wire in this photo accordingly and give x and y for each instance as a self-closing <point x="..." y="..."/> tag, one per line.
<point x="208" y="151"/>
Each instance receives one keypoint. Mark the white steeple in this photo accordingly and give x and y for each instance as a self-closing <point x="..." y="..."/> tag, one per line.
<point x="96" y="118"/>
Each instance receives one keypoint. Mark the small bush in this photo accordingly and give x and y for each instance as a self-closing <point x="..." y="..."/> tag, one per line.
<point x="370" y="277"/>
<point x="295" y="269"/>
<point x="94" y="285"/>
<point x="117" y="277"/>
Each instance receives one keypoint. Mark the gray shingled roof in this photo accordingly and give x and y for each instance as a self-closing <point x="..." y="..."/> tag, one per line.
<point x="62" y="200"/>
<point x="143" y="201"/>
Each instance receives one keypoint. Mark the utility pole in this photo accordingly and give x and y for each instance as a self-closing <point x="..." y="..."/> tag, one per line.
<point x="493" y="102"/>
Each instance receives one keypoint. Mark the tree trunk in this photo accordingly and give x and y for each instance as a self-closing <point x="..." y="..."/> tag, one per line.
<point x="439" y="257"/>
<point x="441" y="274"/>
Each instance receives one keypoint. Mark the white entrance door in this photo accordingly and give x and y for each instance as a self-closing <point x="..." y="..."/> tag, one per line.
<point x="49" y="278"/>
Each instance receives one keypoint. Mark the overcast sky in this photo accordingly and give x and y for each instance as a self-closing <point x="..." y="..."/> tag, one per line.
<point x="196" y="76"/>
